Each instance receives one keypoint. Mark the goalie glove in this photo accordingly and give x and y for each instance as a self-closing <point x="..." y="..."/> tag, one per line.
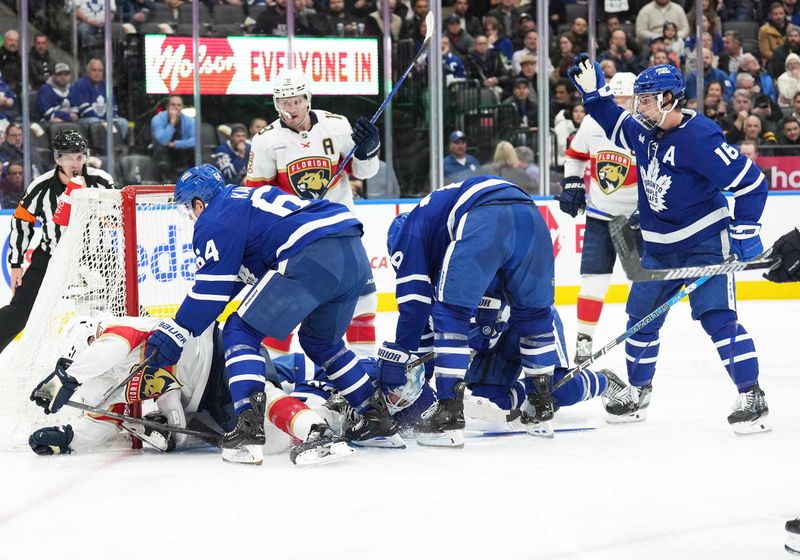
<point x="167" y="341"/>
<point x="56" y="389"/>
<point x="392" y="360"/>
<point x="573" y="196"/>
<point x="745" y="239"/>
<point x="588" y="78"/>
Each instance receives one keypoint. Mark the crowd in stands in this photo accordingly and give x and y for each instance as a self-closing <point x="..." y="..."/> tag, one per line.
<point x="750" y="56"/>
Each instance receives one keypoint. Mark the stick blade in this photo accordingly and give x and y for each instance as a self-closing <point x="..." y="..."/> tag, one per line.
<point x="429" y="26"/>
<point x="624" y="239"/>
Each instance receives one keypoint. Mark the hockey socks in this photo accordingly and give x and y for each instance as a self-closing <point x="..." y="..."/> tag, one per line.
<point x="590" y="301"/>
<point x="734" y="346"/>
<point x="342" y="368"/>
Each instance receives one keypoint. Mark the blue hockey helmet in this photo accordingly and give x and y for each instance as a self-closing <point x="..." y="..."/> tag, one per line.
<point x="394" y="230"/>
<point x="648" y="93"/>
<point x="202" y="181"/>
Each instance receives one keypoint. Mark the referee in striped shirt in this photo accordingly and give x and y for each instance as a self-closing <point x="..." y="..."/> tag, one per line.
<point x="71" y="151"/>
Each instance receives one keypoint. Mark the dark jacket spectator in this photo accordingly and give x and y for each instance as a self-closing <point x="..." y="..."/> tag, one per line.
<point x="777" y="64"/>
<point x="507" y="15"/>
<point x="486" y="66"/>
<point x="469" y="23"/>
<point x="11" y="186"/>
<point x="525" y="107"/>
<point x="789" y="135"/>
<point x="10" y="61"/>
<point x="624" y="59"/>
<point x="41" y="63"/>
<point x="12" y="150"/>
<point x="460" y="40"/>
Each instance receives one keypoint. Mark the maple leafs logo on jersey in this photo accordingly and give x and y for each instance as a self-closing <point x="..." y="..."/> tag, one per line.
<point x="655" y="186"/>
<point x="611" y="169"/>
<point x="309" y="176"/>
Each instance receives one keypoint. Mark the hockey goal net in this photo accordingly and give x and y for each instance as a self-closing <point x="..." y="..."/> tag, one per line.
<point x="125" y="252"/>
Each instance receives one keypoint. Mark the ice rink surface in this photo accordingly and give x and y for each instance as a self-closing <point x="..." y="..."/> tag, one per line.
<point x="679" y="486"/>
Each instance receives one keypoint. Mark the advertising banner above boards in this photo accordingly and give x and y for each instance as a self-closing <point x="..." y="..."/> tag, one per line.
<point x="783" y="172"/>
<point x="166" y="265"/>
<point x="248" y="65"/>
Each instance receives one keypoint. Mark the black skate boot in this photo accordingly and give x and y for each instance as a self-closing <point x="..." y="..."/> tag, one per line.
<point x="539" y="408"/>
<point x="628" y="405"/>
<point x="374" y="427"/>
<point x="793" y="536"/>
<point x="442" y="425"/>
<point x="321" y="446"/>
<point x="244" y="443"/>
<point x="583" y="348"/>
<point x="614" y="386"/>
<point x="750" y="413"/>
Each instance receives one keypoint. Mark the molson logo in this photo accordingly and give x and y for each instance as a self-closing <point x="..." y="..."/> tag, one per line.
<point x="175" y="66"/>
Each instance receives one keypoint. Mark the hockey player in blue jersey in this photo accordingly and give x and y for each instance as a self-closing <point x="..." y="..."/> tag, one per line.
<point x="446" y="252"/>
<point x="305" y="265"/>
<point x="685" y="166"/>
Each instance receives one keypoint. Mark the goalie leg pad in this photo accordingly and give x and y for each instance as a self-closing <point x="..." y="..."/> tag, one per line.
<point x="53" y="440"/>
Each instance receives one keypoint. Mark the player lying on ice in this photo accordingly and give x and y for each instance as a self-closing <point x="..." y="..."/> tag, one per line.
<point x="98" y="359"/>
<point x="684" y="166"/>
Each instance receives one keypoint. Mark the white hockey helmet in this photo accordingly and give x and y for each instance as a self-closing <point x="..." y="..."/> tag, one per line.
<point x="77" y="333"/>
<point x="291" y="83"/>
<point x="622" y="84"/>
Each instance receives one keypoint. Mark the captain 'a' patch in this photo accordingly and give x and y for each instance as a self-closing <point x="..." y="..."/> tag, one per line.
<point x="309" y="176"/>
<point x="612" y="170"/>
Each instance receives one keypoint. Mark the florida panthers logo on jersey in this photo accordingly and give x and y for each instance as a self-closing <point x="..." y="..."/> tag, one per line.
<point x="656" y="186"/>
<point x="150" y="383"/>
<point x="612" y="170"/>
<point x="310" y="175"/>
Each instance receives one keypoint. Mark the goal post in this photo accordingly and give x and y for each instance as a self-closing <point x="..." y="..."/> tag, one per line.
<point x="125" y="252"/>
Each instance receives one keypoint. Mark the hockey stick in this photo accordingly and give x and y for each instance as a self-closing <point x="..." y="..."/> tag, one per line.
<point x="428" y="33"/>
<point x="419" y="361"/>
<point x="481" y="434"/>
<point x="205" y="436"/>
<point x="625" y="244"/>
<point x="658" y="312"/>
<point x="135" y="370"/>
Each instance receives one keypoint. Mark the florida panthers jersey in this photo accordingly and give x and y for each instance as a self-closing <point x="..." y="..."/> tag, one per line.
<point x="612" y="183"/>
<point x="682" y="175"/>
<point x="242" y="234"/>
<point x="419" y="249"/>
<point x="303" y="163"/>
<point x="109" y="359"/>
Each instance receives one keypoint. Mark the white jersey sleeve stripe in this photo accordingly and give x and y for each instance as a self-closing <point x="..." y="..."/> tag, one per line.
<point x="688" y="231"/>
<point x="311" y="226"/>
<point x="750" y="188"/>
<point x="740" y="176"/>
<point x="413" y="278"/>
<point x="207" y="297"/>
<point x="216" y="277"/>
<point x="413" y="297"/>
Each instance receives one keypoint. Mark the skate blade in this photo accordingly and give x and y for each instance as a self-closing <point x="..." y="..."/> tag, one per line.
<point x="451" y="438"/>
<point x="792" y="544"/>
<point x="245" y="455"/>
<point x="638" y="416"/>
<point x="324" y="454"/>
<point x="540" y="429"/>
<point x="382" y="442"/>
<point x="758" y="426"/>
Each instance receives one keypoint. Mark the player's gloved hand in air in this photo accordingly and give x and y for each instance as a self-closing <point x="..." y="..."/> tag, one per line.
<point x="167" y="340"/>
<point x="788" y="249"/>
<point x="367" y="139"/>
<point x="392" y="360"/>
<point x="588" y="78"/>
<point x="56" y="389"/>
<point x="745" y="239"/>
<point x="573" y="196"/>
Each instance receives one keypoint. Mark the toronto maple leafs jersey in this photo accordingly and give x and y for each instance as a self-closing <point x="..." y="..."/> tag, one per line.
<point x="421" y="244"/>
<point x="682" y="175"/>
<point x="612" y="183"/>
<point x="242" y="234"/>
<point x="303" y="163"/>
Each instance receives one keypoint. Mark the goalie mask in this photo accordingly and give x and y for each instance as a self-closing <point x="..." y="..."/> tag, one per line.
<point x="79" y="333"/>
<point x="291" y="96"/>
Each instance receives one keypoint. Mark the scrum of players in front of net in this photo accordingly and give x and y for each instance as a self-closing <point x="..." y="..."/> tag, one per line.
<point x="478" y="346"/>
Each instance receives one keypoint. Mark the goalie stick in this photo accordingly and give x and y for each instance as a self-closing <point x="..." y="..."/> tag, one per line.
<point x="429" y="23"/>
<point x="623" y="238"/>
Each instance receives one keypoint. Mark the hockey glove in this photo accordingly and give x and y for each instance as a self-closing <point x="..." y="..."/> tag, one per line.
<point x="588" y="78"/>
<point x="54" y="440"/>
<point x="486" y="326"/>
<point x="367" y="139"/>
<point x="392" y="360"/>
<point x="167" y="340"/>
<point x="745" y="239"/>
<point x="56" y="389"/>
<point x="788" y="249"/>
<point x="573" y="196"/>
<point x="634" y="222"/>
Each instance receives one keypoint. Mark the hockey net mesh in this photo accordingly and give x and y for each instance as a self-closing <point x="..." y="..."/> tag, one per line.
<point x="125" y="252"/>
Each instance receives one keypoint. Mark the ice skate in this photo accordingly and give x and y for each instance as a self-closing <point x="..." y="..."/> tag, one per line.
<point x="583" y="349"/>
<point x="539" y="408"/>
<point x="750" y="413"/>
<point x="373" y="428"/>
<point x="442" y="425"/>
<point x="244" y="443"/>
<point x="322" y="446"/>
<point x="614" y="386"/>
<point x="793" y="536"/>
<point x="628" y="405"/>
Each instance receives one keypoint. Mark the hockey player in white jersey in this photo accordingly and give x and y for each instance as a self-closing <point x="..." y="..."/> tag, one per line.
<point x="685" y="166"/>
<point x="300" y="153"/>
<point x="95" y="368"/>
<point x="612" y="191"/>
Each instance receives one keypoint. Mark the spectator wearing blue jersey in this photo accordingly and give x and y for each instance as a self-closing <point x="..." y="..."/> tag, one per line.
<point x="458" y="164"/>
<point x="173" y="139"/>
<point x="231" y="156"/>
<point x="52" y="100"/>
<point x="8" y="102"/>
<point x="685" y="165"/>
<point x="763" y="81"/>
<point x="88" y="96"/>
<point x="451" y="64"/>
